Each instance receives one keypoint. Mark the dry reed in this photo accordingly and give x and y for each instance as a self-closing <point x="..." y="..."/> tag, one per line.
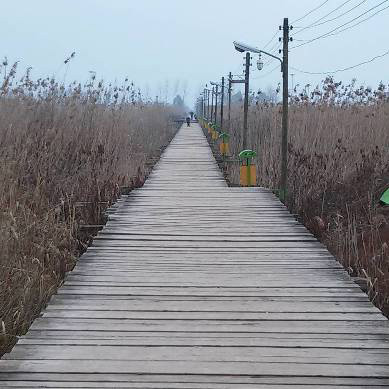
<point x="65" y="153"/>
<point x="338" y="167"/>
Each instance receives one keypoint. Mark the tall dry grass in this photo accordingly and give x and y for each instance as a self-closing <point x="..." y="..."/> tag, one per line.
<point x="65" y="153"/>
<point x="338" y="163"/>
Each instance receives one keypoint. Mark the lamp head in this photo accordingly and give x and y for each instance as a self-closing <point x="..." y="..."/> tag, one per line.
<point x="239" y="47"/>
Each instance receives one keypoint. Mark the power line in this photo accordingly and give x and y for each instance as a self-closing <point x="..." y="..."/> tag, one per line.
<point x="344" y="69"/>
<point x="268" y="73"/>
<point x="316" y="23"/>
<point x="269" y="61"/>
<point x="335" y="30"/>
<point x="274" y="47"/>
<point x="360" y="22"/>
<point x="310" y="12"/>
<point x="271" y="40"/>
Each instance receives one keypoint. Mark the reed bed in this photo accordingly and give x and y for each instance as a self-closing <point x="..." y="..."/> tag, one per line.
<point x="66" y="152"/>
<point x="338" y="163"/>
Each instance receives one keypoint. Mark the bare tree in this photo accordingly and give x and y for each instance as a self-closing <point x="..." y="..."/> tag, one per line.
<point x="184" y="89"/>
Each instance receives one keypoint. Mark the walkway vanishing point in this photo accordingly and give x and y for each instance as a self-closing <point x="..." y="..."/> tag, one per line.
<point x="193" y="284"/>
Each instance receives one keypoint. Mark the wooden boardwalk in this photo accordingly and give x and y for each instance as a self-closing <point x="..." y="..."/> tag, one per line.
<point x="193" y="284"/>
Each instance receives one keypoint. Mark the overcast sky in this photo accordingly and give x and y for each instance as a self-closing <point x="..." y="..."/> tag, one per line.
<point x="158" y="43"/>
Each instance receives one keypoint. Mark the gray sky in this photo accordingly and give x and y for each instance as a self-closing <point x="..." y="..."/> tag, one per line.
<point x="158" y="43"/>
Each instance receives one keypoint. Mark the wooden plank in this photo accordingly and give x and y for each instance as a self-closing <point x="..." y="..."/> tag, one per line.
<point x="216" y="305"/>
<point x="204" y="381"/>
<point x="193" y="284"/>
<point x="240" y="287"/>
<point x="59" y="385"/>
<point x="201" y="315"/>
<point x="175" y="340"/>
<point x="203" y="354"/>
<point x="194" y="367"/>
<point x="225" y="326"/>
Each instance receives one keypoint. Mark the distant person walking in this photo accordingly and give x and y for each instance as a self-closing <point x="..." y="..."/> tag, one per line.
<point x="188" y="121"/>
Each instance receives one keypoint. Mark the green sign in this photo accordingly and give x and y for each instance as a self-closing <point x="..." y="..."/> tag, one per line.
<point x="385" y="197"/>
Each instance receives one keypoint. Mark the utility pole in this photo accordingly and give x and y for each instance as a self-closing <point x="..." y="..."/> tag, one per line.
<point x="222" y="106"/>
<point x="231" y="81"/>
<point x="213" y="91"/>
<point x="217" y="92"/>
<point x="204" y="103"/>
<point x="229" y="98"/>
<point x="204" y="98"/>
<point x="285" y="108"/>
<point x="246" y="100"/>
<point x="207" y="102"/>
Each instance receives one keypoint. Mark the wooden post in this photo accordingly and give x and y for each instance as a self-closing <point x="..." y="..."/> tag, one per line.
<point x="207" y="104"/>
<point x="204" y="104"/>
<point x="213" y="92"/>
<point x="285" y="107"/>
<point x="229" y="98"/>
<point x="222" y="107"/>
<point x="246" y="100"/>
<point x="216" y="94"/>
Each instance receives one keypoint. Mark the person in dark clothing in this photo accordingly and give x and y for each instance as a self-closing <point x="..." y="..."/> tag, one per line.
<point x="188" y="121"/>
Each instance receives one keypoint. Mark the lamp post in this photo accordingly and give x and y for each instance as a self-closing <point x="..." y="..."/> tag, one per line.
<point x="246" y="94"/>
<point x="216" y="95"/>
<point x="204" y="104"/>
<point x="222" y="106"/>
<point x="221" y="85"/>
<point x="241" y="47"/>
<point x="230" y="82"/>
<point x="213" y="92"/>
<point x="207" y="90"/>
<point x="229" y="98"/>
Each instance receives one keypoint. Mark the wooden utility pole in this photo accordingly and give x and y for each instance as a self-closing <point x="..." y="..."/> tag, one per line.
<point x="222" y="106"/>
<point x="246" y="100"/>
<point x="231" y="81"/>
<point x="285" y="108"/>
<point x="217" y="92"/>
<point x="207" y="104"/>
<point x="204" y="104"/>
<point x="213" y="92"/>
<point x="229" y="98"/>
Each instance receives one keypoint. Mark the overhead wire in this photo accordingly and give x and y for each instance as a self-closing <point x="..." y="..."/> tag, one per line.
<point x="335" y="30"/>
<point x="310" y="12"/>
<point x="360" y="22"/>
<point x="267" y="73"/>
<point x="316" y="23"/>
<point x="271" y="40"/>
<point x="274" y="48"/>
<point x="343" y="69"/>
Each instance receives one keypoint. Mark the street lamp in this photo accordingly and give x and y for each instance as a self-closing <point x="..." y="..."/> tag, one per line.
<point x="222" y="101"/>
<point x="207" y="91"/>
<point x="216" y="85"/>
<point x="242" y="47"/>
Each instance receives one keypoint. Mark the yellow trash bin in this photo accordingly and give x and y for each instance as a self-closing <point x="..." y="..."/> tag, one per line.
<point x="248" y="176"/>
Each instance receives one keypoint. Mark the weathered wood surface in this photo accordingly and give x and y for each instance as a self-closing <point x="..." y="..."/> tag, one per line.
<point x="196" y="285"/>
